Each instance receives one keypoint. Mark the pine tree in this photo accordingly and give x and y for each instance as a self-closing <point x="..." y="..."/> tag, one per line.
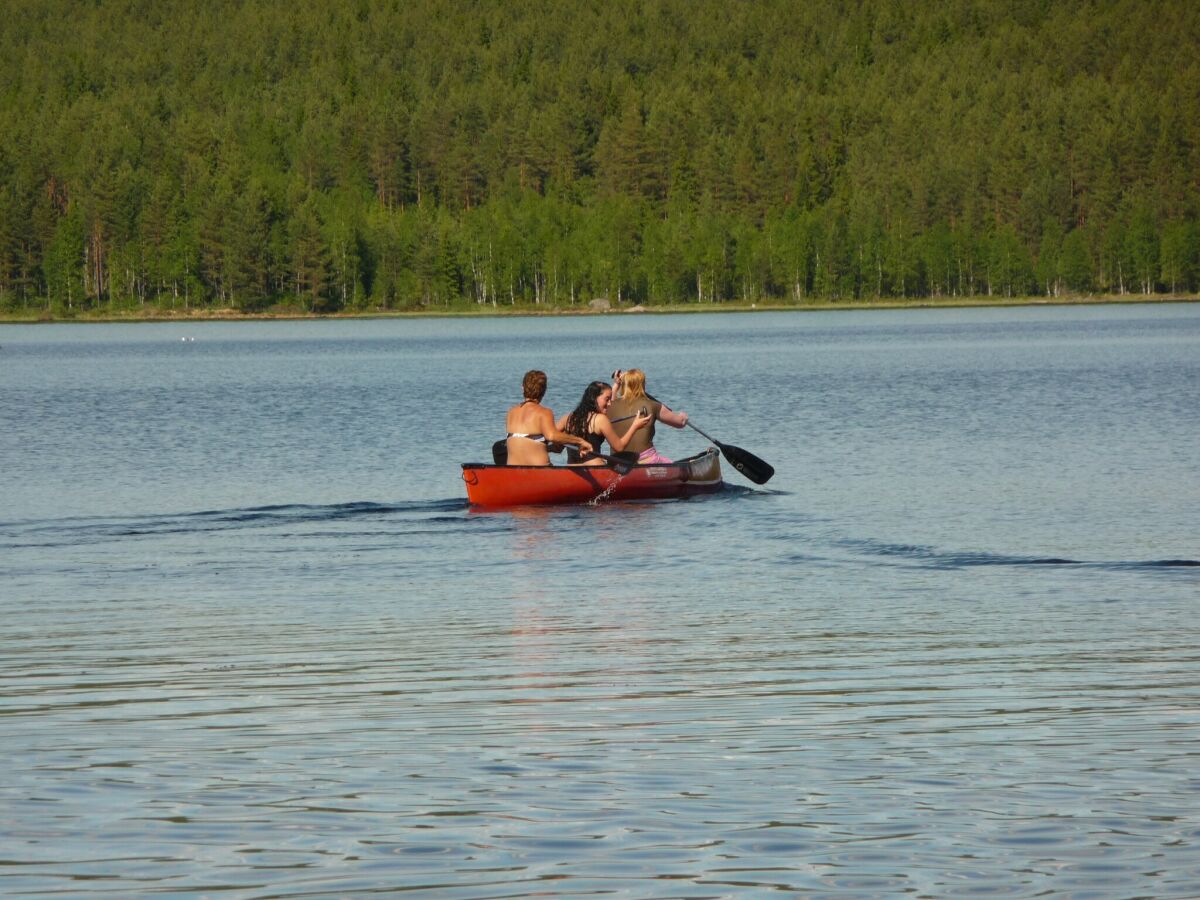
<point x="309" y="258"/>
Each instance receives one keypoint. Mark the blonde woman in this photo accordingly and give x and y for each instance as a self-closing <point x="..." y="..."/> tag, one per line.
<point x="632" y="399"/>
<point x="531" y="426"/>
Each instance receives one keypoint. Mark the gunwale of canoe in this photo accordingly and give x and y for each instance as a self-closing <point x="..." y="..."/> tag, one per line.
<point x="490" y="485"/>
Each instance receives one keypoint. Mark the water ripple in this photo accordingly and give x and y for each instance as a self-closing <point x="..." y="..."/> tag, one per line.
<point x="572" y="746"/>
<point x="940" y="559"/>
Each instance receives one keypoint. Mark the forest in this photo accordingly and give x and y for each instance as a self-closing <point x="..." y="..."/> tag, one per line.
<point x="332" y="156"/>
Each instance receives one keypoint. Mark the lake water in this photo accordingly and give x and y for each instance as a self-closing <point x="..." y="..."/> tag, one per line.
<point x="256" y="645"/>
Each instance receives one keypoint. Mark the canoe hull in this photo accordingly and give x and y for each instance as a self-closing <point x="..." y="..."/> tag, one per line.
<point x="499" y="486"/>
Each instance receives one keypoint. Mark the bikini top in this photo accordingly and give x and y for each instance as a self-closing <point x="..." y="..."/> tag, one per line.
<point x="536" y="438"/>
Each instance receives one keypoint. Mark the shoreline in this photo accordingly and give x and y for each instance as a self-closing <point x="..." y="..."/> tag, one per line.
<point x="484" y="312"/>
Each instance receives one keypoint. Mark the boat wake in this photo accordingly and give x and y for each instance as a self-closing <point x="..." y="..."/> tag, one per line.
<point x="88" y="529"/>
<point x="918" y="556"/>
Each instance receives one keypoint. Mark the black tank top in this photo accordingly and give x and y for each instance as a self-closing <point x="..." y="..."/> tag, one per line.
<point x="594" y="439"/>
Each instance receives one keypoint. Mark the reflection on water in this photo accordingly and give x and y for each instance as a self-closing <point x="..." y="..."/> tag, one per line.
<point x="929" y="660"/>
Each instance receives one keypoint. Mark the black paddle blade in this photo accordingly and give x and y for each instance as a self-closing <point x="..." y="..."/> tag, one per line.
<point x="500" y="453"/>
<point x="624" y="462"/>
<point x="747" y="463"/>
<point x="619" y="462"/>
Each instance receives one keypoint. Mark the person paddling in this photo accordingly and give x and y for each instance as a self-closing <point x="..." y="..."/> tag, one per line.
<point x="531" y="426"/>
<point x="632" y="398"/>
<point x="589" y="421"/>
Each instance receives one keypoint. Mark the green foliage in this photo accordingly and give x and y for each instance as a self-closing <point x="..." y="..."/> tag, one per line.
<point x="357" y="154"/>
<point x="1180" y="255"/>
<point x="64" y="262"/>
<point x="1075" y="262"/>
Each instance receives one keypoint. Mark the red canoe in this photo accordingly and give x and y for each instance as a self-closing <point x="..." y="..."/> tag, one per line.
<point x="489" y="485"/>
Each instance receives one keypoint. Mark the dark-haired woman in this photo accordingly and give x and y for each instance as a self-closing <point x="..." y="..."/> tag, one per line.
<point x="589" y="420"/>
<point x="531" y="426"/>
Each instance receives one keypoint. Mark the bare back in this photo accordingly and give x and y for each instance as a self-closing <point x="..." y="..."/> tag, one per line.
<point x="531" y="419"/>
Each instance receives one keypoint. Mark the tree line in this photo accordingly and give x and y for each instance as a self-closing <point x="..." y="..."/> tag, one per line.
<point x="388" y="154"/>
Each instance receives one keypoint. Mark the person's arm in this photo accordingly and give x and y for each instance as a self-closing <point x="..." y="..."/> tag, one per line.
<point x="604" y="426"/>
<point x="556" y="435"/>
<point x="672" y="418"/>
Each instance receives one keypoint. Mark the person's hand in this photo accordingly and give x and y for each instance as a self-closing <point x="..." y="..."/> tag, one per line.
<point x="585" y="448"/>
<point x="642" y="419"/>
<point x="682" y="419"/>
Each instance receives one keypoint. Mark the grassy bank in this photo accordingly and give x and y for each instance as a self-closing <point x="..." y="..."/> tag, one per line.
<point x="152" y="314"/>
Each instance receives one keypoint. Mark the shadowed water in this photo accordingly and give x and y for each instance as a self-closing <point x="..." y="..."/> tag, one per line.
<point x="256" y="644"/>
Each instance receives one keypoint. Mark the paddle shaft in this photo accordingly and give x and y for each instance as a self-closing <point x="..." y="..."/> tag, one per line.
<point x="615" y="461"/>
<point x="689" y="424"/>
<point x="757" y="470"/>
<point x="622" y="466"/>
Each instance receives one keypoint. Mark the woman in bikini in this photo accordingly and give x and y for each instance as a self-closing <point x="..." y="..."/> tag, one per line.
<point x="589" y="420"/>
<point x="531" y="426"/>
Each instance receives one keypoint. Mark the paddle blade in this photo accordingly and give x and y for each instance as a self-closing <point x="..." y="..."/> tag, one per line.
<point x="747" y="463"/>
<point x="500" y="453"/>
<point x="621" y="463"/>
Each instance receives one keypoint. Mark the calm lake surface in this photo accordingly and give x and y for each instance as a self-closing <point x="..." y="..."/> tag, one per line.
<point x="256" y="645"/>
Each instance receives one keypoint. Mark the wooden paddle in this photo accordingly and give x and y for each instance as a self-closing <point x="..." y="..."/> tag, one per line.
<point x="757" y="470"/>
